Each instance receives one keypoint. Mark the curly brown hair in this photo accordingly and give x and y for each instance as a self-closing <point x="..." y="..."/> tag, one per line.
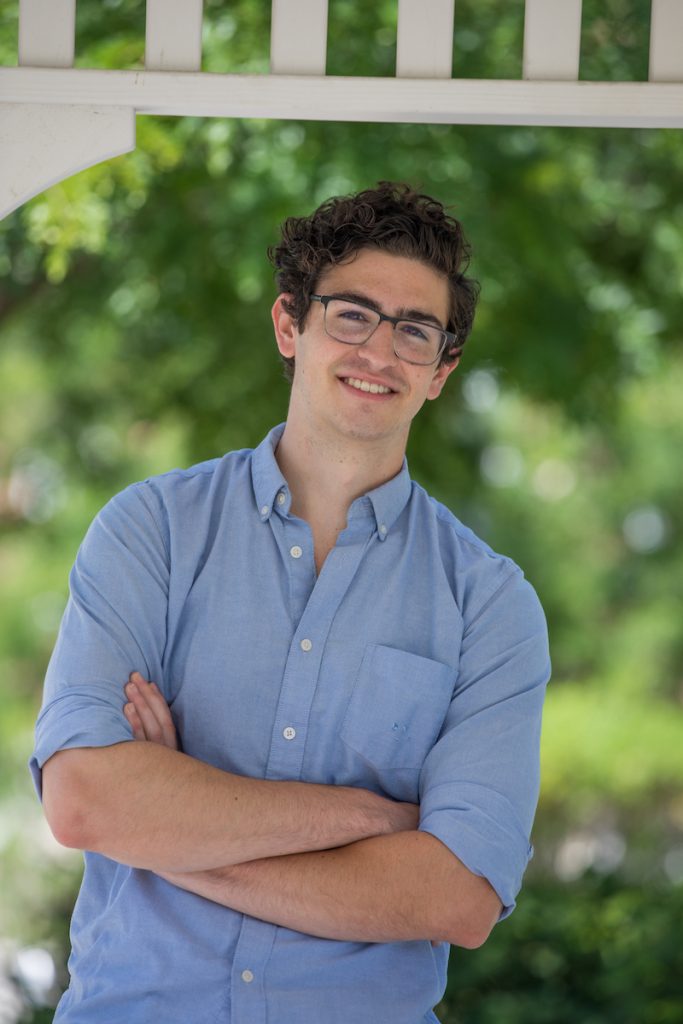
<point x="393" y="217"/>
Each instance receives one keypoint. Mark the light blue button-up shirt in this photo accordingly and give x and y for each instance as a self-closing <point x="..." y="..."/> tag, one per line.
<point x="414" y="665"/>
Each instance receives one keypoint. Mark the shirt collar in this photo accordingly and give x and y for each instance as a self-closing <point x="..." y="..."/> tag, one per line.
<point x="270" y="488"/>
<point x="267" y="478"/>
<point x="387" y="501"/>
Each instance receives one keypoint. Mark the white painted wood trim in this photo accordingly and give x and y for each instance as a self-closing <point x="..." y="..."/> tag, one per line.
<point x="332" y="98"/>
<point x="47" y="32"/>
<point x="424" y="44"/>
<point x="552" y="39"/>
<point x="43" y="144"/>
<point x="173" y="36"/>
<point x="666" y="41"/>
<point x="298" y="37"/>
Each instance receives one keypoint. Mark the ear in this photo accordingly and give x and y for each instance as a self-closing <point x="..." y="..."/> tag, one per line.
<point x="441" y="375"/>
<point x="286" y="330"/>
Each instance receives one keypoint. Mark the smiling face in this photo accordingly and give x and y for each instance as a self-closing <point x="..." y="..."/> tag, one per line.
<point x="364" y="393"/>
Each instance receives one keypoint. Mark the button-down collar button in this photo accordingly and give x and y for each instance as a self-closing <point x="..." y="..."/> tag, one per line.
<point x="289" y="733"/>
<point x="296" y="551"/>
<point x="265" y="509"/>
<point x="247" y="976"/>
<point x="281" y="498"/>
<point x="383" y="529"/>
<point x="306" y="644"/>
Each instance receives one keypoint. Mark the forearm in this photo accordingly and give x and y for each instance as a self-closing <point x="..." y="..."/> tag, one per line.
<point x="388" y="888"/>
<point x="151" y="807"/>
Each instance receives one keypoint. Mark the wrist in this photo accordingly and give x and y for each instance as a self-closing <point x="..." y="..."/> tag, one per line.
<point x="385" y="816"/>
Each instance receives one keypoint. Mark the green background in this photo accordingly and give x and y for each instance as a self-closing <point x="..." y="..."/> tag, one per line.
<point x="135" y="336"/>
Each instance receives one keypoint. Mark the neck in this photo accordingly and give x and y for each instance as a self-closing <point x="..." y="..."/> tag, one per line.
<point x="323" y="475"/>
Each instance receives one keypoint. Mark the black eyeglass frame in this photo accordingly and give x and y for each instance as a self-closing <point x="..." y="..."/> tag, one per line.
<point x="447" y="337"/>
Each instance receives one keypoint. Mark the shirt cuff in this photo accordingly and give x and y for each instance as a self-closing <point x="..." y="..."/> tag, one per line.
<point x="79" y="718"/>
<point x="486" y="841"/>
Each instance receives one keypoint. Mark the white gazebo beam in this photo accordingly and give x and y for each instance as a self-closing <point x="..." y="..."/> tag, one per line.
<point x="424" y="43"/>
<point x="42" y="144"/>
<point x="552" y="39"/>
<point x="337" y="98"/>
<point x="173" y="35"/>
<point x="298" y="37"/>
<point x="666" y="41"/>
<point x="47" y="30"/>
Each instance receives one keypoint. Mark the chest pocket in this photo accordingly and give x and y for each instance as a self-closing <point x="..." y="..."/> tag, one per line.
<point x="398" y="705"/>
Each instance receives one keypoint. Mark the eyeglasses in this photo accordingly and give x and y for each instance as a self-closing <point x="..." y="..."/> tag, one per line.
<point x="353" y="323"/>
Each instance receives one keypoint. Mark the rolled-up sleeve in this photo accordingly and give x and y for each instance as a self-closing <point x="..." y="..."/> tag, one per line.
<point x="114" y="624"/>
<point x="480" y="782"/>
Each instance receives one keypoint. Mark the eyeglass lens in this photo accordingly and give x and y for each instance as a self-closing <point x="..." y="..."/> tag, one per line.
<point x="353" y="324"/>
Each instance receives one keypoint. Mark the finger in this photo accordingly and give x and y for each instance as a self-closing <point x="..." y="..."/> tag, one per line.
<point x="134" y="722"/>
<point x="139" y="720"/>
<point x="137" y="695"/>
<point x="163" y="715"/>
<point x="153" y="710"/>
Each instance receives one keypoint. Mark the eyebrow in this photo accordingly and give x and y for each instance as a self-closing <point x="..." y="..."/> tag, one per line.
<point x="403" y="314"/>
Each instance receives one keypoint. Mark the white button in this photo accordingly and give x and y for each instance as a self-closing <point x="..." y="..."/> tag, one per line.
<point x="247" y="976"/>
<point x="265" y="510"/>
<point x="296" y="551"/>
<point x="383" y="529"/>
<point x="306" y="644"/>
<point x="281" y="498"/>
<point x="289" y="733"/>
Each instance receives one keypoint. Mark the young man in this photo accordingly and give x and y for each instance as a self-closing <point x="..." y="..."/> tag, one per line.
<point x="355" y="679"/>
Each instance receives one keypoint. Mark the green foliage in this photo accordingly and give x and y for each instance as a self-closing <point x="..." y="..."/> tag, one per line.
<point x="615" y="39"/>
<point x="591" y="952"/>
<point x="607" y="748"/>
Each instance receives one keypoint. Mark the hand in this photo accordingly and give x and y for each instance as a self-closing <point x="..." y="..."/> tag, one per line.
<point x="148" y="714"/>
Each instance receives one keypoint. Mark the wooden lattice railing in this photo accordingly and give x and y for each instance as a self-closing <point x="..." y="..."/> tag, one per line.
<point x="55" y="119"/>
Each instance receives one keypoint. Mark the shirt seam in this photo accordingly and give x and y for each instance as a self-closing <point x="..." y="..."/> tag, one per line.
<point x="141" y="495"/>
<point x="515" y="574"/>
<point x="480" y="546"/>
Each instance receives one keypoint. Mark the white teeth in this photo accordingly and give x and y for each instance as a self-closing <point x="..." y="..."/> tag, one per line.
<point x="364" y="385"/>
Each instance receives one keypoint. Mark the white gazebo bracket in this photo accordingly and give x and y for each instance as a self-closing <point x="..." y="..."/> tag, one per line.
<point x="56" y="120"/>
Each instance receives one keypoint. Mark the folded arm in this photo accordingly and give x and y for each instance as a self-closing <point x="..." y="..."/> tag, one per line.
<point x="151" y="806"/>
<point x="385" y="888"/>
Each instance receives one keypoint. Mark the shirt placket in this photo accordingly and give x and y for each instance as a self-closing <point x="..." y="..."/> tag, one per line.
<point x="248" y="971"/>
<point x="316" y="601"/>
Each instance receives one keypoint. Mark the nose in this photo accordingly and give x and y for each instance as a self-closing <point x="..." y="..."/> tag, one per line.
<point x="379" y="348"/>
